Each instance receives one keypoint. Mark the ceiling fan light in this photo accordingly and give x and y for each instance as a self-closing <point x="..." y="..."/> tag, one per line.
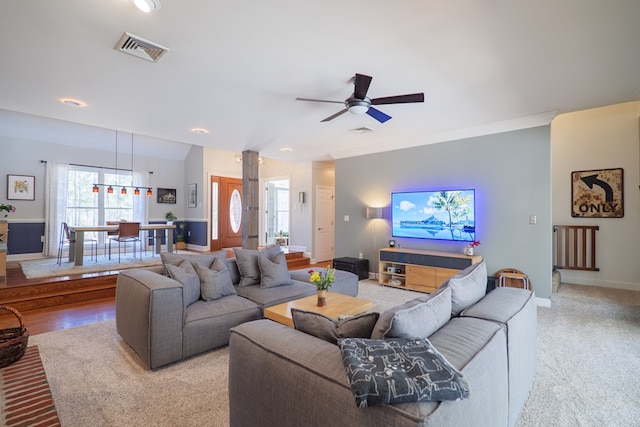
<point x="147" y="6"/>
<point x="359" y="108"/>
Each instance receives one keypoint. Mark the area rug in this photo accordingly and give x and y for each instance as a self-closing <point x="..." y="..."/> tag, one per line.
<point x="97" y="380"/>
<point x="49" y="267"/>
<point x="25" y="397"/>
<point x="587" y="359"/>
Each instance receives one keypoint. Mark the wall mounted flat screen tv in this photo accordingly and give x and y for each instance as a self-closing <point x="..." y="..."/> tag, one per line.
<point x="441" y="215"/>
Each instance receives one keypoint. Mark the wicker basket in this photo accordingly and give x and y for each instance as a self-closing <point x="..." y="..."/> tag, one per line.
<point x="13" y="341"/>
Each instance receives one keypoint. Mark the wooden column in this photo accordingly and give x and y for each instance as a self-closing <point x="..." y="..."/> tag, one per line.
<point x="250" y="199"/>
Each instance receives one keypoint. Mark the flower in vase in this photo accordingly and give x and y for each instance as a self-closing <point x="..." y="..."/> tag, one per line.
<point x="322" y="279"/>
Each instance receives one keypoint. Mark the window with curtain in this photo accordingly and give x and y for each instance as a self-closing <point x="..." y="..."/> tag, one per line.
<point x="84" y="207"/>
<point x="70" y="199"/>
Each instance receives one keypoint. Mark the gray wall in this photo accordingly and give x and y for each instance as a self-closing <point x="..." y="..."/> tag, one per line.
<point x="22" y="157"/>
<point x="510" y="172"/>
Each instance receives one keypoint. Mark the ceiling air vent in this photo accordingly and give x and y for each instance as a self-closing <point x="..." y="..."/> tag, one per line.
<point x="361" y="130"/>
<point x="137" y="46"/>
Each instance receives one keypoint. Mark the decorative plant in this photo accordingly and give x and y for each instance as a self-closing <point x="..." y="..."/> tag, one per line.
<point x="180" y="232"/>
<point x="7" y="209"/>
<point x="474" y="243"/>
<point x="169" y="216"/>
<point x="324" y="279"/>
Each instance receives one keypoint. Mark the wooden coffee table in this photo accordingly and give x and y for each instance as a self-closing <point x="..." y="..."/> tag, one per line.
<point x="337" y="305"/>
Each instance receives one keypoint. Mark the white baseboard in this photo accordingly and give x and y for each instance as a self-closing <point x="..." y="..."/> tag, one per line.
<point x="24" y="257"/>
<point x="197" y="248"/>
<point x="606" y="284"/>
<point x="582" y="278"/>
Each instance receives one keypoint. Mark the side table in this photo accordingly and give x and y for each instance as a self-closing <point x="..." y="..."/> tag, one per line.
<point x="357" y="266"/>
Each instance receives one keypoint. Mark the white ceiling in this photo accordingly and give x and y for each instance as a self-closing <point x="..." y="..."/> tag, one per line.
<point x="236" y="67"/>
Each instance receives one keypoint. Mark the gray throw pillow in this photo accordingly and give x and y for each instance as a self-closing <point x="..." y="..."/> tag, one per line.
<point x="468" y="287"/>
<point x="187" y="276"/>
<point x="327" y="329"/>
<point x="204" y="259"/>
<point x="420" y="317"/>
<point x="215" y="281"/>
<point x="274" y="272"/>
<point x="271" y="251"/>
<point x="247" y="260"/>
<point x="399" y="370"/>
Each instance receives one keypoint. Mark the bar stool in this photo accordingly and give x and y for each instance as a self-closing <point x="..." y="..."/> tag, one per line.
<point x="507" y="276"/>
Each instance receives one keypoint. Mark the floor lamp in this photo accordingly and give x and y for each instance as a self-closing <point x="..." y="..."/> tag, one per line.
<point x="373" y="214"/>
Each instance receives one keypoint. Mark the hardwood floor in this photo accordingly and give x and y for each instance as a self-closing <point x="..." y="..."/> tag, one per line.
<point x="53" y="318"/>
<point x="48" y="319"/>
<point x="66" y="316"/>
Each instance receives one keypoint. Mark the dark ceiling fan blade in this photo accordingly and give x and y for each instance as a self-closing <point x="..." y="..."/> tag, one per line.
<point x="378" y="115"/>
<point x="319" y="100"/>
<point x="339" y="113"/>
<point x="399" y="99"/>
<point x="361" y="86"/>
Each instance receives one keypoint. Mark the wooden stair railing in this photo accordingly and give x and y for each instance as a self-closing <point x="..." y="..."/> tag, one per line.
<point x="575" y="247"/>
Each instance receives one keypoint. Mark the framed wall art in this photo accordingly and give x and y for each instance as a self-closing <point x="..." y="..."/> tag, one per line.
<point x="167" y="195"/>
<point x="597" y="193"/>
<point x="193" y="195"/>
<point x="21" y="187"/>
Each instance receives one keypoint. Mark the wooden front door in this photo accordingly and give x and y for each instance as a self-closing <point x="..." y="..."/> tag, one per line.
<point x="226" y="212"/>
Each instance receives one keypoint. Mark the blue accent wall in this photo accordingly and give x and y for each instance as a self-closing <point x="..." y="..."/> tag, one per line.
<point x="196" y="233"/>
<point x="24" y="237"/>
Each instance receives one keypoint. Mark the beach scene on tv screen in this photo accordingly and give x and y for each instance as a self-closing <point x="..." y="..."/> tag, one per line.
<point x="443" y="215"/>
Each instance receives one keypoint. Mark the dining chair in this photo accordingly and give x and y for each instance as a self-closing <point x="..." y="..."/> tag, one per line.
<point x="127" y="232"/>
<point x="110" y="234"/>
<point x="65" y="238"/>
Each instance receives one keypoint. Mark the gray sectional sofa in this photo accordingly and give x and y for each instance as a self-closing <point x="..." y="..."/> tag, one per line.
<point x="280" y="376"/>
<point x="167" y="314"/>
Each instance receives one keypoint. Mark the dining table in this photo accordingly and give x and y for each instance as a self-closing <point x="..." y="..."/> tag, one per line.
<point x="76" y="246"/>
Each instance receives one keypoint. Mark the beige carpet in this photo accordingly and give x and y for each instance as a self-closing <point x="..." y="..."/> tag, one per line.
<point x="49" y="267"/>
<point x="589" y="342"/>
<point x="98" y="380"/>
<point x="588" y="360"/>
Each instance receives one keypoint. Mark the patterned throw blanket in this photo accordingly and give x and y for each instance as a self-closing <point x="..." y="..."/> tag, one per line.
<point x="399" y="370"/>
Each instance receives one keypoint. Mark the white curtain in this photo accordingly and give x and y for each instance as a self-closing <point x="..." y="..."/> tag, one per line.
<point x="141" y="202"/>
<point x="55" y="205"/>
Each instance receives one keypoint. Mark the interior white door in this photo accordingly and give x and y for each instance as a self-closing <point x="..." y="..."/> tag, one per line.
<point x="325" y="225"/>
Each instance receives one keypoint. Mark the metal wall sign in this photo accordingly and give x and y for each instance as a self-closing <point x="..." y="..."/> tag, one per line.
<point x="597" y="193"/>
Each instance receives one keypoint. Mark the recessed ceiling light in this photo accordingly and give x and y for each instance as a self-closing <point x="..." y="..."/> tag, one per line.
<point x="199" y="131"/>
<point x="73" y="102"/>
<point x="286" y="149"/>
<point x="147" y="5"/>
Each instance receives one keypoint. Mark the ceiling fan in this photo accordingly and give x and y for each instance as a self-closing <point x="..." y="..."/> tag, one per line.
<point x="359" y="103"/>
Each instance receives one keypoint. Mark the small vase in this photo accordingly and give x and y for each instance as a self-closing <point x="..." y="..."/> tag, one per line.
<point x="468" y="250"/>
<point x="322" y="298"/>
